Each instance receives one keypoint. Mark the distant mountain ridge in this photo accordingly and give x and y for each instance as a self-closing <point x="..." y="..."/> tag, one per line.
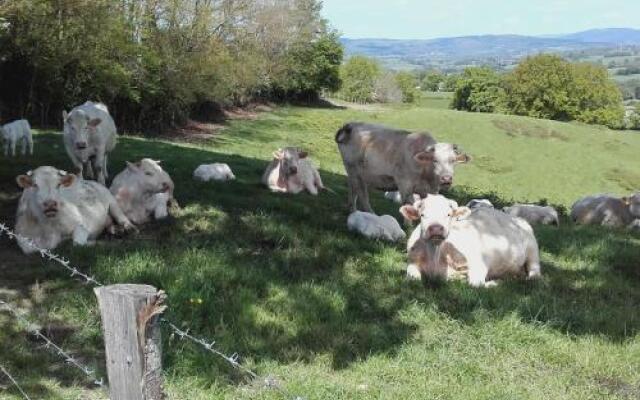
<point x="503" y="46"/>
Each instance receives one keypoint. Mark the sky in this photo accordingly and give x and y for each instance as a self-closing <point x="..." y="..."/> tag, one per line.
<point x="427" y="19"/>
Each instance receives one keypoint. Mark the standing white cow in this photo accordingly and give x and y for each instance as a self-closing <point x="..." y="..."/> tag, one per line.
<point x="291" y="171"/>
<point x="483" y="244"/>
<point x="14" y="132"/>
<point x="143" y="189"/>
<point x="607" y="210"/>
<point x="89" y="136"/>
<point x="55" y="206"/>
<point x="534" y="214"/>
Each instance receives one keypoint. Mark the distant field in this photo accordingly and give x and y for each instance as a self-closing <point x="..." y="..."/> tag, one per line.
<point x="281" y="281"/>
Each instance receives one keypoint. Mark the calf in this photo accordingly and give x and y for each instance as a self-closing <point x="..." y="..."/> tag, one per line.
<point x="534" y="214"/>
<point x="213" y="172"/>
<point x="14" y="132"/>
<point x="55" y="206"/>
<point x="290" y="171"/>
<point x="383" y="227"/>
<point x="607" y="210"/>
<point x="482" y="245"/>
<point x="89" y="136"/>
<point x="142" y="190"/>
<point x="391" y="159"/>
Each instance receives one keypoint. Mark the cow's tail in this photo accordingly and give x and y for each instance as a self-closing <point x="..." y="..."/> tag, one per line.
<point x="344" y="133"/>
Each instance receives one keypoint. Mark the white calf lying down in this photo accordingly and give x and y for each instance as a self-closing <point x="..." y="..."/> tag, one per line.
<point x="483" y="244"/>
<point x="607" y="210"/>
<point x="56" y="206"/>
<point x="397" y="198"/>
<point x="213" y="172"/>
<point x="375" y="227"/>
<point x="534" y="214"/>
<point x="143" y="189"/>
<point x="477" y="203"/>
<point x="290" y="171"/>
<point x="14" y="132"/>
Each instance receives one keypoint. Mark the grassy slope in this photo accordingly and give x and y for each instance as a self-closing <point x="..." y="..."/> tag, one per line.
<point x="284" y="284"/>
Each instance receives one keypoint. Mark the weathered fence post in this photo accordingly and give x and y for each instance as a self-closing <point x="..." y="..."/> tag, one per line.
<point x="132" y="340"/>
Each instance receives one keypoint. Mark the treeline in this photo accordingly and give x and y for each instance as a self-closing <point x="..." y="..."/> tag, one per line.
<point x="544" y="86"/>
<point x="155" y="63"/>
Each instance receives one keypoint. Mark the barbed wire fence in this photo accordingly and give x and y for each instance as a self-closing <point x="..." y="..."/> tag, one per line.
<point x="269" y="382"/>
<point x="14" y="382"/>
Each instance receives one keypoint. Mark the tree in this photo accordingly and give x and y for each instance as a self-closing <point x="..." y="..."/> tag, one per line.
<point x="407" y="84"/>
<point x="432" y="81"/>
<point x="480" y="90"/>
<point x="358" y="76"/>
<point x="386" y="88"/>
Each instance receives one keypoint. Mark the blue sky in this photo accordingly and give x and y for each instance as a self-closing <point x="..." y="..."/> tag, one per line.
<point x="425" y="19"/>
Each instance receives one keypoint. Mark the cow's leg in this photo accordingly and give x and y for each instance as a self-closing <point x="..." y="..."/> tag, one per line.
<point x="413" y="272"/>
<point x="77" y="163"/>
<point x="363" y="195"/>
<point x="159" y="205"/>
<point x="478" y="271"/>
<point x="104" y="166"/>
<point x="534" y="270"/>
<point x="317" y="181"/>
<point x="118" y="215"/>
<point x="88" y="170"/>
<point x="30" y="143"/>
<point x="310" y="185"/>
<point x="13" y="148"/>
<point x="24" y="146"/>
<point x="98" y="169"/>
<point x="352" y="182"/>
<point x="6" y="148"/>
<point x="406" y="192"/>
<point x="81" y="236"/>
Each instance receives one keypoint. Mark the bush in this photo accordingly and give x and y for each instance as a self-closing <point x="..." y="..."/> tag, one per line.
<point x="407" y="84"/>
<point x="359" y="76"/>
<point x="386" y="89"/>
<point x="432" y="81"/>
<point x="479" y="90"/>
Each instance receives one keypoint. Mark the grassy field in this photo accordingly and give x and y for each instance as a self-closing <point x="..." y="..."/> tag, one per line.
<point x="279" y="279"/>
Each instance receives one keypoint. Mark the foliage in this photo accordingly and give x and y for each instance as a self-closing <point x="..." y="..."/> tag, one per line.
<point x="152" y="61"/>
<point x="432" y="81"/>
<point x="407" y="83"/>
<point x="359" y="76"/>
<point x="546" y="86"/>
<point x="479" y="89"/>
<point x="386" y="88"/>
<point x="634" y="118"/>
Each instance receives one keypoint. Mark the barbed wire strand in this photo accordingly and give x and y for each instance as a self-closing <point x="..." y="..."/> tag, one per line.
<point x="268" y="382"/>
<point x="47" y="254"/>
<point x="50" y="345"/>
<point x="15" y="383"/>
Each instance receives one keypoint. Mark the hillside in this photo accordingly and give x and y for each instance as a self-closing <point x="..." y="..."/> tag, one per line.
<point x="279" y="279"/>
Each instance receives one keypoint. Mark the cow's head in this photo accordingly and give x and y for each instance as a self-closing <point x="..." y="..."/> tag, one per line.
<point x="633" y="202"/>
<point x="79" y="126"/>
<point x="439" y="157"/>
<point x="42" y="188"/>
<point x="435" y="213"/>
<point x="289" y="160"/>
<point x="148" y="177"/>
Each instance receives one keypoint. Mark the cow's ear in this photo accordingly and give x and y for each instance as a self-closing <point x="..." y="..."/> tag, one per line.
<point x="132" y="166"/>
<point x="24" y="181"/>
<point x="410" y="212"/>
<point x="65" y="115"/>
<point x="453" y="204"/>
<point x="626" y="201"/>
<point x="278" y="154"/>
<point x="94" y="122"/>
<point x="67" y="180"/>
<point x="461" y="212"/>
<point x="302" y="154"/>
<point x="462" y="158"/>
<point x="424" y="157"/>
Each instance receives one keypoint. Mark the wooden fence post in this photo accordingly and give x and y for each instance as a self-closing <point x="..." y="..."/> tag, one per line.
<point x="132" y="340"/>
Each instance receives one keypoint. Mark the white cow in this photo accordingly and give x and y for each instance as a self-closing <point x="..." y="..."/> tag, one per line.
<point x="89" y="136"/>
<point x="483" y="244"/>
<point x="56" y="206"/>
<point x="213" y="172"/>
<point x="534" y="214"/>
<point x="143" y="189"/>
<point x="396" y="197"/>
<point x="291" y="171"/>
<point x="477" y="203"/>
<point x="14" y="132"/>
<point x="375" y="227"/>
<point x="607" y="210"/>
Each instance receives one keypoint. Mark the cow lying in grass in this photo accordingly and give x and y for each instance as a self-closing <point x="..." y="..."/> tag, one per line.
<point x="608" y="210"/>
<point x="14" y="132"/>
<point x="291" y="171"/>
<point x="55" y="206"/>
<point x="534" y="214"/>
<point x="213" y="172"/>
<point x="481" y="245"/>
<point x="143" y="190"/>
<point x="372" y="226"/>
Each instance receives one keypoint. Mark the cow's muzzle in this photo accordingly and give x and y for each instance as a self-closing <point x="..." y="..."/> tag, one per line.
<point x="446" y="181"/>
<point x="50" y="208"/>
<point x="293" y="170"/>
<point x="81" y="145"/>
<point x="436" y="233"/>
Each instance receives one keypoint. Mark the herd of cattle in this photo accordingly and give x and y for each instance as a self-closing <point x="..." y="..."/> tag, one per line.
<point x="475" y="242"/>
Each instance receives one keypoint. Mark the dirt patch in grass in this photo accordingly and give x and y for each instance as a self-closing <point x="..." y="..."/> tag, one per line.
<point x="629" y="180"/>
<point x="489" y="164"/>
<point x="532" y="130"/>
<point x="618" y="387"/>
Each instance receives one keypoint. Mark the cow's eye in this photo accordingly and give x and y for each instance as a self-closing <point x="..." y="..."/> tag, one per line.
<point x="147" y="173"/>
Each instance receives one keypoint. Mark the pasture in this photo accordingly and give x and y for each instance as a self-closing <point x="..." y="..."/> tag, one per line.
<point x="279" y="280"/>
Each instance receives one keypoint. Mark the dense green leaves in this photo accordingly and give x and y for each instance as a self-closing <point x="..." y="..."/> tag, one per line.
<point x="359" y="76"/>
<point x="480" y="90"/>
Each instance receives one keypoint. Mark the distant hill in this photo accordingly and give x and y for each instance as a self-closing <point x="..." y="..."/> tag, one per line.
<point x="486" y="46"/>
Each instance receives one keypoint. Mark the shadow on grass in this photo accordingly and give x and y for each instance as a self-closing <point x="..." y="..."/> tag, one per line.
<point x="278" y="277"/>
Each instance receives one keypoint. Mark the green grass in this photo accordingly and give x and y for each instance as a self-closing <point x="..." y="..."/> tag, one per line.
<point x="285" y="285"/>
